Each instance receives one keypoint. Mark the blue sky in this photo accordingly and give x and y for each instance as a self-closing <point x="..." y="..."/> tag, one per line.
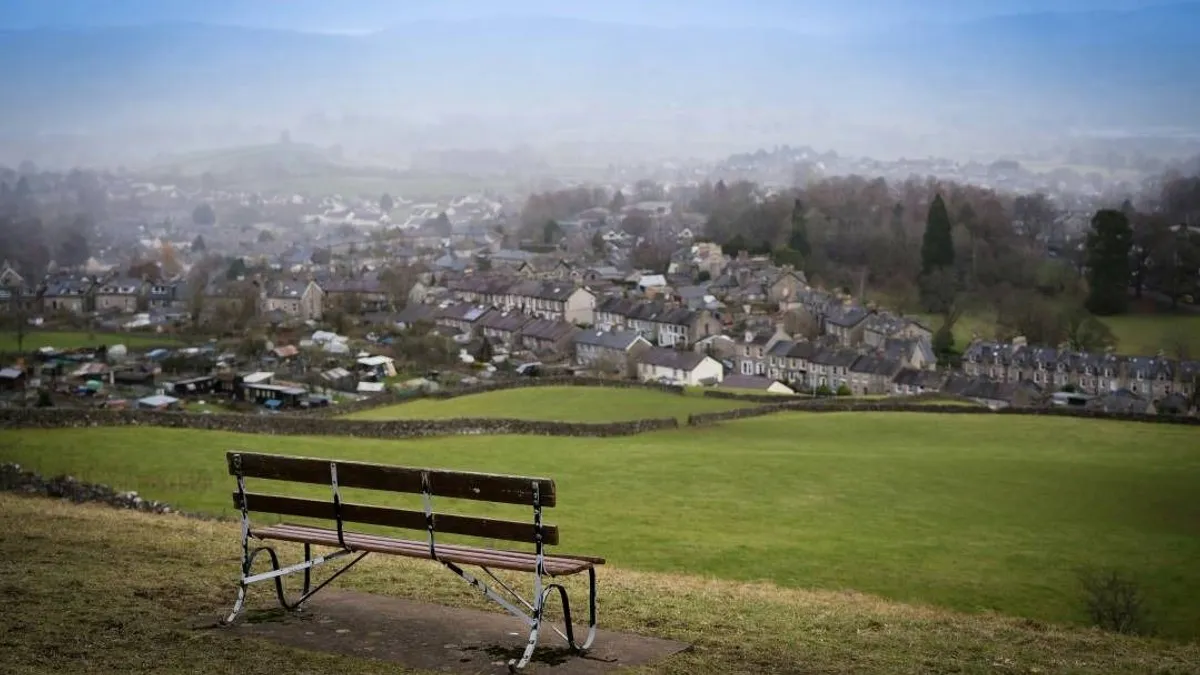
<point x="365" y="15"/>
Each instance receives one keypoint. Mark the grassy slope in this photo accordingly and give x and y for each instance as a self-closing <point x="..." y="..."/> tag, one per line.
<point x="127" y="591"/>
<point x="1137" y="334"/>
<point x="562" y="404"/>
<point x="71" y="340"/>
<point x="973" y="513"/>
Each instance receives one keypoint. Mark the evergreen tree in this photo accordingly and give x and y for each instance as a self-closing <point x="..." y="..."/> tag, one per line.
<point x="937" y="248"/>
<point x="617" y="203"/>
<point x="386" y="203"/>
<point x="1107" y="260"/>
<point x="798" y="240"/>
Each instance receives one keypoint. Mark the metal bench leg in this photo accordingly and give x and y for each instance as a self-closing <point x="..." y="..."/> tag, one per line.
<point x="563" y="597"/>
<point x="531" y="644"/>
<point x="277" y="573"/>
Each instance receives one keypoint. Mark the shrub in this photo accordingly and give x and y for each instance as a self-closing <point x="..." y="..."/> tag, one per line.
<point x="824" y="390"/>
<point x="1114" y="601"/>
<point x="843" y="390"/>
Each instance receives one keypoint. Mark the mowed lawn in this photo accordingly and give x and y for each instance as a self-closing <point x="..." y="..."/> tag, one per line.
<point x="35" y="340"/>
<point x="972" y="512"/>
<point x="560" y="404"/>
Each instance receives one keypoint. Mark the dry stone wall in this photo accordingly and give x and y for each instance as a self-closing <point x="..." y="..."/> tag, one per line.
<point x="834" y="405"/>
<point x="294" y="425"/>
<point x="13" y="478"/>
<point x="388" y="399"/>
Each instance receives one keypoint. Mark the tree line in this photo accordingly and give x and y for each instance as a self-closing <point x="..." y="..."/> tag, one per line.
<point x="48" y="217"/>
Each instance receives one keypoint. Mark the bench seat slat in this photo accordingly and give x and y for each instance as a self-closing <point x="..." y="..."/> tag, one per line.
<point x="493" y="558"/>
<point x="471" y="526"/>
<point x="486" y="487"/>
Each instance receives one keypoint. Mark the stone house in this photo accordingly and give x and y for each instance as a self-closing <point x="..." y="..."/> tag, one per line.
<point x="911" y="381"/>
<point x="910" y="352"/>
<point x="847" y="323"/>
<point x="883" y="326"/>
<point x="548" y="337"/>
<point x="462" y="316"/>
<point x="74" y="296"/>
<point x="755" y="351"/>
<point x="1094" y="374"/>
<point x="120" y="294"/>
<point x="163" y="294"/>
<point x="786" y="286"/>
<point x="357" y="296"/>
<point x="873" y="375"/>
<point x="303" y="300"/>
<point x="551" y="300"/>
<point x="501" y="326"/>
<point x="20" y="298"/>
<point x="830" y="367"/>
<point x="617" y="350"/>
<point x="657" y="322"/>
<point x="9" y="277"/>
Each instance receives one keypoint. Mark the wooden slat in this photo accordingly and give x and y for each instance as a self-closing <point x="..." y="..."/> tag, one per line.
<point x="505" y="560"/>
<point x="485" y="487"/>
<point x="445" y="523"/>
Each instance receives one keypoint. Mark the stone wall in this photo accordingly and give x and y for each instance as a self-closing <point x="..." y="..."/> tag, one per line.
<point x="14" y="479"/>
<point x="846" y="405"/>
<point x="391" y="398"/>
<point x="770" y="399"/>
<point x="296" y="425"/>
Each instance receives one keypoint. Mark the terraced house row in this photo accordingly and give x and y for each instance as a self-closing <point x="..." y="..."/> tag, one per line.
<point x="1153" y="377"/>
<point x="556" y="300"/>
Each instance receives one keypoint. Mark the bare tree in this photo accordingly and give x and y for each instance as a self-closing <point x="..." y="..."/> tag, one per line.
<point x="1035" y="218"/>
<point x="398" y="282"/>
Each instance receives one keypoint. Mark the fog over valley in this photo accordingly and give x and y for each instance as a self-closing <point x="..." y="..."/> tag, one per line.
<point x="579" y="90"/>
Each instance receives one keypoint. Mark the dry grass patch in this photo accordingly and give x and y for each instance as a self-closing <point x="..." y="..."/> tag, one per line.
<point x="88" y="589"/>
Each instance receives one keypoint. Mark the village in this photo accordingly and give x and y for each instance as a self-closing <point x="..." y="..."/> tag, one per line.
<point x="430" y="306"/>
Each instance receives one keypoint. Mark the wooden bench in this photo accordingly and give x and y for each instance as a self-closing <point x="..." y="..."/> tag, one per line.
<point x="538" y="493"/>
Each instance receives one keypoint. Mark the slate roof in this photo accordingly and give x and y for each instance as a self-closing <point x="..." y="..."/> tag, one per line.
<point x="672" y="358"/>
<point x="618" y="340"/>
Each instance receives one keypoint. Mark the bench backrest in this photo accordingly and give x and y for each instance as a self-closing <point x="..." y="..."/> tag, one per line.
<point x="484" y="487"/>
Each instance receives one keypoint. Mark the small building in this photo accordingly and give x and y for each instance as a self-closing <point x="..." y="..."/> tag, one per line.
<point x="274" y="395"/>
<point x="688" y="368"/>
<point x="614" y="351"/>
<point x="158" y="402"/>
<point x="378" y="366"/>
<point x="753" y="383"/>
<point x="12" y="379"/>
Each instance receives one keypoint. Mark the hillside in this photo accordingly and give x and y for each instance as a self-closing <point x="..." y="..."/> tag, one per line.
<point x="969" y="512"/>
<point x="139" y="593"/>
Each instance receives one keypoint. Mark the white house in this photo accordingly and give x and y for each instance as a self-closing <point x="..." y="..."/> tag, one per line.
<point x="764" y="385"/>
<point x="688" y="368"/>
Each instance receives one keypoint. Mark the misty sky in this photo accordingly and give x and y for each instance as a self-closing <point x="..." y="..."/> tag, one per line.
<point x="366" y="15"/>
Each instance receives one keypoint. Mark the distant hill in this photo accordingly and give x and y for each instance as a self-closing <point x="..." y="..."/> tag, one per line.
<point x="507" y="81"/>
<point x="250" y="160"/>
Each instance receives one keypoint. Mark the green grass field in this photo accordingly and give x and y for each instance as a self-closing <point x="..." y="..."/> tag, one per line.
<point x="560" y="404"/>
<point x="1136" y="334"/>
<point x="91" y="589"/>
<point x="73" y="339"/>
<point x="973" y="513"/>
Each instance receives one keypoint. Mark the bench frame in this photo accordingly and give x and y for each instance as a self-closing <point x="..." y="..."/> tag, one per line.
<point x="531" y="612"/>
